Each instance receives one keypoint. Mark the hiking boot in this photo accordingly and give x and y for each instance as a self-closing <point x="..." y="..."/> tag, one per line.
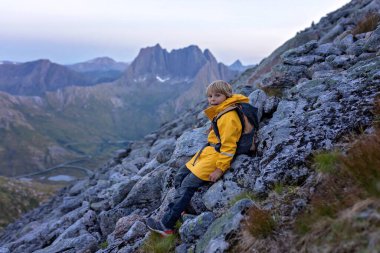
<point x="158" y="227"/>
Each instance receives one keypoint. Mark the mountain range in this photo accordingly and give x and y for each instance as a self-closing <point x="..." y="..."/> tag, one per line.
<point x="52" y="113"/>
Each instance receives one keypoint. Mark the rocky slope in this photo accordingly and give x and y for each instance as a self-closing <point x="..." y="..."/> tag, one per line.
<point x="311" y="97"/>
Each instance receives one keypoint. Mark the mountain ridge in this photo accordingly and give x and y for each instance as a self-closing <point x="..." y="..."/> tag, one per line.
<point x="101" y="114"/>
<point x="33" y="78"/>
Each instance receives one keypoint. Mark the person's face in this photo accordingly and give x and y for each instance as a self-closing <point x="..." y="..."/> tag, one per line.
<point x="215" y="98"/>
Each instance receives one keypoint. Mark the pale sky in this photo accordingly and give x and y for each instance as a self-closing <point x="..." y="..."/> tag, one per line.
<point x="72" y="31"/>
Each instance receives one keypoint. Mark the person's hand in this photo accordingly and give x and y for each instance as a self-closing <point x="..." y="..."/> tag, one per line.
<point x="215" y="175"/>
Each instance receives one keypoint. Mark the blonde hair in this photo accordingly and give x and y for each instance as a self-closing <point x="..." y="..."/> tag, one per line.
<point x="219" y="86"/>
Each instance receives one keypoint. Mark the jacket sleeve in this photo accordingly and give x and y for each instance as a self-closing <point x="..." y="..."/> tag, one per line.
<point x="230" y="129"/>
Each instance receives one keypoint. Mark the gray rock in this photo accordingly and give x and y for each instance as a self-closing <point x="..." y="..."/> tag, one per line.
<point x="306" y="60"/>
<point x="82" y="243"/>
<point x="244" y="170"/>
<point x="327" y="49"/>
<point x="78" y="228"/>
<point x="78" y="187"/>
<point x="162" y="144"/>
<point x="103" y="205"/>
<point x="4" y="250"/>
<point x="373" y="43"/>
<point x="220" y="194"/>
<point x="124" y="224"/>
<point x="343" y="61"/>
<point x="283" y="76"/>
<point x="148" y="167"/>
<point x="146" y="193"/>
<point x="142" y="150"/>
<point x="70" y="203"/>
<point x="190" y="142"/>
<point x="345" y="42"/>
<point x="217" y="245"/>
<point x="137" y="230"/>
<point x="366" y="56"/>
<point x="323" y="74"/>
<point x="364" y="69"/>
<point x="271" y="105"/>
<point x="322" y="66"/>
<point x="222" y="227"/>
<point x="298" y="205"/>
<point x="182" y="248"/>
<point x="301" y="50"/>
<point x="192" y="229"/>
<point x="117" y="192"/>
<point x="356" y="48"/>
<point x="108" y="219"/>
<point x="164" y="155"/>
<point x="331" y="34"/>
<point x="310" y="89"/>
<point x="258" y="98"/>
<point x="92" y="192"/>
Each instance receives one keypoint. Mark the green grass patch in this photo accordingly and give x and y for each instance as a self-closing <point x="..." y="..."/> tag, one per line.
<point x="243" y="195"/>
<point x="156" y="243"/>
<point x="103" y="245"/>
<point x="326" y="161"/>
<point x="278" y="188"/>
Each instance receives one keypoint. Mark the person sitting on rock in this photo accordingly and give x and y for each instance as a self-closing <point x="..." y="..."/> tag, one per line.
<point x="207" y="165"/>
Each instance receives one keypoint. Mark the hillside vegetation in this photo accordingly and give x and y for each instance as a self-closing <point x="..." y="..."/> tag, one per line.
<point x="18" y="197"/>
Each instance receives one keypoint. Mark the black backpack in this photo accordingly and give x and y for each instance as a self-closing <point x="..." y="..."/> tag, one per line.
<point x="250" y="125"/>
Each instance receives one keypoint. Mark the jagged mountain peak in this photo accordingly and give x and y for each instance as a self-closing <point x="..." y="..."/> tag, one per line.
<point x="236" y="63"/>
<point x="209" y="56"/>
<point x="238" y="66"/>
<point x="183" y="63"/>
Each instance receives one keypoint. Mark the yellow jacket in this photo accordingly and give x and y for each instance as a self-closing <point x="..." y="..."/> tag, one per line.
<point x="230" y="129"/>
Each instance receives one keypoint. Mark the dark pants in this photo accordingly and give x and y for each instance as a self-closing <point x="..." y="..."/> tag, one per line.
<point x="185" y="183"/>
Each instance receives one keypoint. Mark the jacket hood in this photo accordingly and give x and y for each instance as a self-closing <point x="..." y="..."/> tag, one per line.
<point x="212" y="111"/>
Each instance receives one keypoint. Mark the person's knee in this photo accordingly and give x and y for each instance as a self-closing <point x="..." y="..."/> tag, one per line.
<point x="179" y="177"/>
<point x="192" y="181"/>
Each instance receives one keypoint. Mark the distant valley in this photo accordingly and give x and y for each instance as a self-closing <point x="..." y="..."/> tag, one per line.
<point x="51" y="114"/>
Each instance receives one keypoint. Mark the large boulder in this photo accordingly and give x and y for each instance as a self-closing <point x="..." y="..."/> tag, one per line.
<point x="192" y="229"/>
<point x="214" y="240"/>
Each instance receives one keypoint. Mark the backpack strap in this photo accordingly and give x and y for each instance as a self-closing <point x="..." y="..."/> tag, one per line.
<point x="215" y="125"/>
